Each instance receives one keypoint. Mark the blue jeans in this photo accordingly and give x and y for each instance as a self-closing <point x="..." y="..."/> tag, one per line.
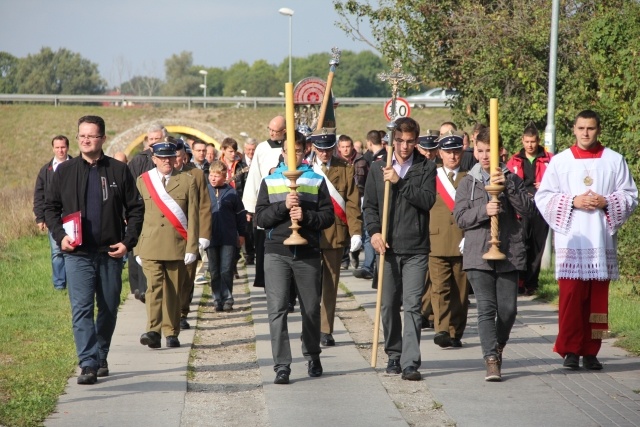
<point x="369" y="253"/>
<point x="221" y="261"/>
<point x="57" y="265"/>
<point x="496" y="300"/>
<point x="93" y="276"/>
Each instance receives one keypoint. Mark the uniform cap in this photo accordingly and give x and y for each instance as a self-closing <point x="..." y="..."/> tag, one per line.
<point x="164" y="149"/>
<point x="429" y="141"/>
<point x="451" y="142"/>
<point x="323" y="141"/>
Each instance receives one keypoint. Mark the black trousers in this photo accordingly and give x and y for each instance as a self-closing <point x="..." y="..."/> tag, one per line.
<point x="536" y="229"/>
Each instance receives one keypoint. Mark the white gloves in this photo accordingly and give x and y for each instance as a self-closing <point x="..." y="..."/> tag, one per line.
<point x="204" y="243"/>
<point x="189" y="258"/>
<point x="461" y="245"/>
<point x="356" y="242"/>
<point x="138" y="260"/>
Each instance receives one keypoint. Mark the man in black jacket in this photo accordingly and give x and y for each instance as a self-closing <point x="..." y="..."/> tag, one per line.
<point x="103" y="191"/>
<point x="60" y="146"/>
<point x="275" y="208"/>
<point x="413" y="193"/>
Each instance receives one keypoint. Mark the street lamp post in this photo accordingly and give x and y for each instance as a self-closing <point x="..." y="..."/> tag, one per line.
<point x="288" y="12"/>
<point x="244" y="94"/>
<point x="204" y="86"/>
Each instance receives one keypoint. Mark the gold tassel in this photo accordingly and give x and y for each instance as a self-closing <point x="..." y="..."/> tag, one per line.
<point x="599" y="334"/>
<point x="599" y="318"/>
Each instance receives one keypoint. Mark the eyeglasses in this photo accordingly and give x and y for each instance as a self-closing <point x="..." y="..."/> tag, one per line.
<point x="93" y="137"/>
<point x="274" y="130"/>
<point x="401" y="141"/>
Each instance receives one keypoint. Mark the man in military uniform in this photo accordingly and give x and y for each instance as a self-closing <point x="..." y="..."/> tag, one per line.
<point x="339" y="176"/>
<point x="449" y="289"/>
<point x="428" y="146"/>
<point x="168" y="243"/>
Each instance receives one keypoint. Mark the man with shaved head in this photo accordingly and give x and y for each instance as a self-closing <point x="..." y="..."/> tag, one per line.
<point x="264" y="159"/>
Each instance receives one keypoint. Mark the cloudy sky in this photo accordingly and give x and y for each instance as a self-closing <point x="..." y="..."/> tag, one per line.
<point x="141" y="34"/>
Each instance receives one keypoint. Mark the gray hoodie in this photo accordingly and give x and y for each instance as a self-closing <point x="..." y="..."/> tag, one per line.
<point x="471" y="215"/>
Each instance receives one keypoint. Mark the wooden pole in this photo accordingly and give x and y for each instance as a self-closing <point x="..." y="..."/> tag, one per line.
<point x="494" y="189"/>
<point x="325" y="98"/>
<point x="385" y="219"/>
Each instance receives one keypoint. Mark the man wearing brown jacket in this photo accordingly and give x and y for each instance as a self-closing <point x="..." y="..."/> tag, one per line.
<point x="449" y="288"/>
<point x="345" y="197"/>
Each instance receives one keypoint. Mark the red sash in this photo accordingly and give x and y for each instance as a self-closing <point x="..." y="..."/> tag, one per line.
<point x="165" y="202"/>
<point x="445" y="189"/>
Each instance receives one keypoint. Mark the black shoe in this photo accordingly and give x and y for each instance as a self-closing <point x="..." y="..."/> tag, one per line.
<point x="227" y="306"/>
<point x="456" y="342"/>
<point x="282" y="377"/>
<point x="150" y="339"/>
<point x="344" y="266"/>
<point x="591" y="363"/>
<point x="103" y="370"/>
<point x="362" y="273"/>
<point x="291" y="308"/>
<point x="140" y="296"/>
<point x="571" y="361"/>
<point x="410" y="373"/>
<point x="314" y="368"/>
<point x="172" y="341"/>
<point x="327" y="340"/>
<point x="393" y="366"/>
<point x="219" y="308"/>
<point x="184" y="324"/>
<point x="443" y="339"/>
<point x="87" y="376"/>
<point x="426" y="323"/>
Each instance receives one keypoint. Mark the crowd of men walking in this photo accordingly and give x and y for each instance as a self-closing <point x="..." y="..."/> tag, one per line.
<point x="182" y="209"/>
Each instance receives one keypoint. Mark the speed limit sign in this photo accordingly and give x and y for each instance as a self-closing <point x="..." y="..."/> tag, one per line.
<point x="402" y="108"/>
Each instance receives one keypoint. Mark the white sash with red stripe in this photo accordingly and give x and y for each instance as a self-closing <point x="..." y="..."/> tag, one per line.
<point x="445" y="188"/>
<point x="339" y="205"/>
<point x="165" y="202"/>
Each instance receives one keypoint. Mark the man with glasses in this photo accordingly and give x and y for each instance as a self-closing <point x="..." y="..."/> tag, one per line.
<point x="103" y="192"/>
<point x="413" y="193"/>
<point x="264" y="159"/>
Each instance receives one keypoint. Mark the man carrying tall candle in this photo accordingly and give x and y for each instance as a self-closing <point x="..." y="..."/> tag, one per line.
<point x="494" y="282"/>
<point x="586" y="195"/>
<point x="275" y="209"/>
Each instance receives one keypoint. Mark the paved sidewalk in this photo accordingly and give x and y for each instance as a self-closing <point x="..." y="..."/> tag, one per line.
<point x="147" y="387"/>
<point x="535" y="390"/>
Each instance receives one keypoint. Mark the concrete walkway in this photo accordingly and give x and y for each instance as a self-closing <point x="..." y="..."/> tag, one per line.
<point x="147" y="387"/>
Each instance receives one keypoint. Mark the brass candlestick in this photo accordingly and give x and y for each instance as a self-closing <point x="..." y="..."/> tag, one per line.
<point x="295" y="238"/>
<point x="494" y="251"/>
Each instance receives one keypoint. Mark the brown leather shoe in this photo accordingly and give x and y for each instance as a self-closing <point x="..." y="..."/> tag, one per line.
<point x="493" y="369"/>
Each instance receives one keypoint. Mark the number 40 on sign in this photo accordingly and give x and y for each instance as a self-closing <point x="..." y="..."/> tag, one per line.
<point x="402" y="108"/>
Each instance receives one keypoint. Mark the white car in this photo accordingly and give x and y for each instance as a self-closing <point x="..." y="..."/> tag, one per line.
<point x="435" y="97"/>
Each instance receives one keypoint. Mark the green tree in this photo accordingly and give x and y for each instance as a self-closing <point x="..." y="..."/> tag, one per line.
<point x="61" y="72"/>
<point x="182" y="78"/>
<point x="8" y="64"/>
<point x="237" y="75"/>
<point x="500" y="49"/>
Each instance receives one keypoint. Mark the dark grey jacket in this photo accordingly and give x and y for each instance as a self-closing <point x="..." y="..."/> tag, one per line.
<point x="410" y="200"/>
<point x="470" y="213"/>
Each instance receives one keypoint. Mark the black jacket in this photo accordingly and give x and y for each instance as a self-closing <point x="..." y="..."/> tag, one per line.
<point x="141" y="163"/>
<point x="410" y="200"/>
<point x="120" y="201"/>
<point x="273" y="215"/>
<point x="43" y="183"/>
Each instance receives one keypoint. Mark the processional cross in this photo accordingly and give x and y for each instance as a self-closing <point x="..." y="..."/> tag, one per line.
<point x="395" y="77"/>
